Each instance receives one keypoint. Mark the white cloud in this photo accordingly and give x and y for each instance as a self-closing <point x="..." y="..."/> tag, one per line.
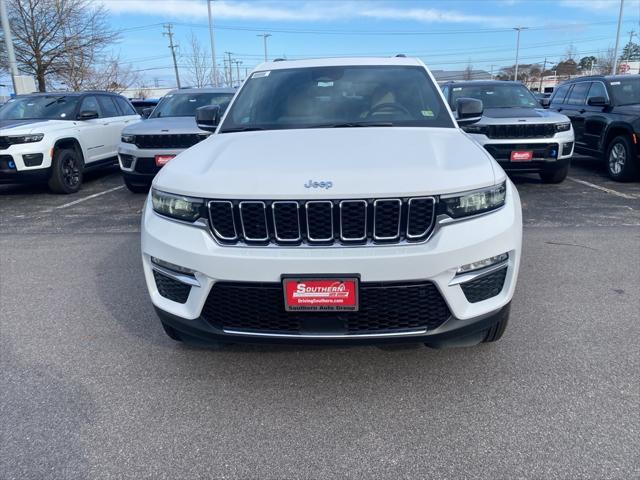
<point x="303" y="11"/>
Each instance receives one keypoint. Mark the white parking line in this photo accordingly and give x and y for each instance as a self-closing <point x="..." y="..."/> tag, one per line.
<point x="75" y="202"/>
<point x="605" y="189"/>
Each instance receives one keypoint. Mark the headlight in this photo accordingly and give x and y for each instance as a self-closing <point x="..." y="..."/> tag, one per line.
<point x="478" y="201"/>
<point x="176" y="206"/>
<point x="127" y="138"/>
<point x="563" y="127"/>
<point x="32" y="138"/>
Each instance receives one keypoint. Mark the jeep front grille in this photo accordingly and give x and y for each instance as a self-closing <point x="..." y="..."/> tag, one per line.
<point x="185" y="140"/>
<point x="540" y="130"/>
<point x="322" y="222"/>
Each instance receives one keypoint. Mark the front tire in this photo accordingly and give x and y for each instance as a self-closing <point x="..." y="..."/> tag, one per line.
<point x="555" y="174"/>
<point x="621" y="163"/>
<point x="497" y="329"/>
<point x="66" y="171"/>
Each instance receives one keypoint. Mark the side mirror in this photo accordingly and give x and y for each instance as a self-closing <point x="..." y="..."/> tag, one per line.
<point x="545" y="102"/>
<point x="598" y="102"/>
<point x="88" y="115"/>
<point x="146" y="112"/>
<point x="208" y="117"/>
<point x="469" y="110"/>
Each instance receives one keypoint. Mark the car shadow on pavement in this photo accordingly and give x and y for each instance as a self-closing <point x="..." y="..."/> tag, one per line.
<point x="41" y="188"/>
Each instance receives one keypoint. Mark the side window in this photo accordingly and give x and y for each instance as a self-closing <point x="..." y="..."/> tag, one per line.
<point x="445" y="92"/>
<point x="597" y="90"/>
<point x="561" y="92"/>
<point x="109" y="108"/>
<point x="125" y="106"/>
<point x="90" y="104"/>
<point x="578" y="95"/>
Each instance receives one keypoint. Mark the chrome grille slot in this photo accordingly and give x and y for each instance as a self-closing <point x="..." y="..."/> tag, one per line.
<point x="322" y="223"/>
<point x="319" y="221"/>
<point x="353" y="220"/>
<point x="221" y="218"/>
<point x="253" y="216"/>
<point x="387" y="219"/>
<point x="286" y="221"/>
<point x="420" y="217"/>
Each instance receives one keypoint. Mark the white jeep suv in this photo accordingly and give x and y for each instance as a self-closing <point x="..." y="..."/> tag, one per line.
<point x="56" y="137"/>
<point x="337" y="201"/>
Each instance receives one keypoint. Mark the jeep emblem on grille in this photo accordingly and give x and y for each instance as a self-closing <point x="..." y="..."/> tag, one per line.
<point x="324" y="184"/>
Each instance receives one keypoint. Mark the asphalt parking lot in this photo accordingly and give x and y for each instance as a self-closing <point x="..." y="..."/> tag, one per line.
<point x="92" y="388"/>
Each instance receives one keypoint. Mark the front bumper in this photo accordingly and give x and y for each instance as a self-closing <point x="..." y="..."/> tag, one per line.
<point x="452" y="244"/>
<point x="138" y="165"/>
<point x="548" y="153"/>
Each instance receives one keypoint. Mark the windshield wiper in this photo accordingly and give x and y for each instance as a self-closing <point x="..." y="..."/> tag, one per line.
<point x="58" y="99"/>
<point x="241" y="129"/>
<point x="353" y="124"/>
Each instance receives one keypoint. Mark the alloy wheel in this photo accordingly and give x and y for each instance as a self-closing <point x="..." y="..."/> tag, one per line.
<point x="70" y="172"/>
<point x="617" y="158"/>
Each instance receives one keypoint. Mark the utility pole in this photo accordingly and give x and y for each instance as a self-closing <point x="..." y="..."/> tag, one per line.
<point x="169" y="33"/>
<point x="8" y="41"/>
<point x="614" y="68"/>
<point x="264" y="39"/>
<point x="544" y="67"/>
<point x="518" y="29"/>
<point x="229" y="63"/>
<point x="214" y="70"/>
<point x="238" y="63"/>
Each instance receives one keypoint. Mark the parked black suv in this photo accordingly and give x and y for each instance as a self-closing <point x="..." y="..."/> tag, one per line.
<point x="605" y="113"/>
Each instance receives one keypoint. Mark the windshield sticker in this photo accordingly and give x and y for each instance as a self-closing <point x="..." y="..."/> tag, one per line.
<point x="427" y="113"/>
<point x="615" y="83"/>
<point x="169" y="95"/>
<point x="457" y="89"/>
<point x="261" y="74"/>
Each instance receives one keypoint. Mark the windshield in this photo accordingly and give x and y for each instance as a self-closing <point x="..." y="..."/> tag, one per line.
<point x="49" y="107"/>
<point x="337" y="97"/>
<point x="185" y="104"/>
<point x="626" y="92"/>
<point x="508" y="95"/>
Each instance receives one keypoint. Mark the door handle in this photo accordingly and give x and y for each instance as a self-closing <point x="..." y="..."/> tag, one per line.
<point x="582" y="110"/>
<point x="559" y="109"/>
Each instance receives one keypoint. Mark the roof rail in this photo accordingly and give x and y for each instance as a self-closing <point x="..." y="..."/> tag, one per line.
<point x="400" y="55"/>
<point x="280" y="60"/>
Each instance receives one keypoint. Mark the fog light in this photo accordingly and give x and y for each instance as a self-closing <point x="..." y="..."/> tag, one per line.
<point x="172" y="267"/>
<point x="487" y="262"/>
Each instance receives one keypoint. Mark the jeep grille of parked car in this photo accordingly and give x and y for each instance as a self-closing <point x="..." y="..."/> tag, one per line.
<point x="540" y="130"/>
<point x="185" y="140"/>
<point x="322" y="222"/>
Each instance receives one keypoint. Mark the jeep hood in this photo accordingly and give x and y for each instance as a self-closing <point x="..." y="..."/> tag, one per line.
<point x="359" y="162"/>
<point x="164" y="125"/>
<point x="25" y="127"/>
<point x="509" y="116"/>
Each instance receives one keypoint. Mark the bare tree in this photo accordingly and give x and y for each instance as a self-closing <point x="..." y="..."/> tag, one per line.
<point x="605" y="61"/>
<point x="198" y="63"/>
<point x="468" y="72"/>
<point x="52" y="37"/>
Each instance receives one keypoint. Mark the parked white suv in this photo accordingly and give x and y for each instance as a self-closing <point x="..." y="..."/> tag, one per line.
<point x="337" y="201"/>
<point x="56" y="137"/>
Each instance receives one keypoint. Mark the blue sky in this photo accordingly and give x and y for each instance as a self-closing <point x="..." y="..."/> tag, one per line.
<point x="446" y="34"/>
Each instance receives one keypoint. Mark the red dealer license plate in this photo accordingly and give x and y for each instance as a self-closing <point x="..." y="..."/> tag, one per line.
<point x="162" y="160"/>
<point x="320" y="294"/>
<point x="521" y="156"/>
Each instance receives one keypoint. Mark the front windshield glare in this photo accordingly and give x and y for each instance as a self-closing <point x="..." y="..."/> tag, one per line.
<point x="337" y="97"/>
<point x="626" y="92"/>
<point x="186" y="104"/>
<point x="495" y="96"/>
<point x="41" y="107"/>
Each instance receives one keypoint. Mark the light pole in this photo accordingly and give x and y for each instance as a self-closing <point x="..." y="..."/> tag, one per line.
<point x="518" y="29"/>
<point x="614" y="67"/>
<point x="264" y="38"/>
<point x="214" y="71"/>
